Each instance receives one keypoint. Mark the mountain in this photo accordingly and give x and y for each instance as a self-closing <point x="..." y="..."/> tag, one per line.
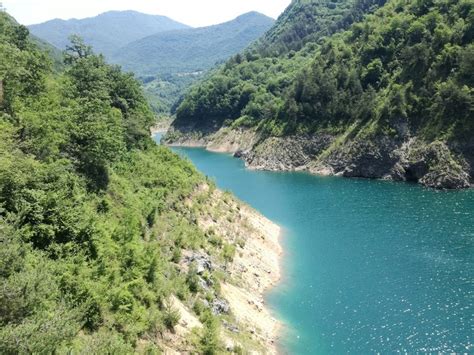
<point x="169" y="62"/>
<point x="363" y="88"/>
<point x="167" y="56"/>
<point x="106" y="32"/>
<point x="111" y="244"/>
<point x="268" y="66"/>
<point x="192" y="50"/>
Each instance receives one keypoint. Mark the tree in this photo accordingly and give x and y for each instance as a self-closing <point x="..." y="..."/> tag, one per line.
<point x="76" y="50"/>
<point x="210" y="343"/>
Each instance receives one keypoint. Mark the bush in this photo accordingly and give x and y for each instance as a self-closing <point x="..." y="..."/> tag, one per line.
<point x="171" y="316"/>
<point x="210" y="342"/>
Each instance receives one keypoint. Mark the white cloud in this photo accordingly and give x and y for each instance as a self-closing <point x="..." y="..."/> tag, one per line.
<point x="192" y="12"/>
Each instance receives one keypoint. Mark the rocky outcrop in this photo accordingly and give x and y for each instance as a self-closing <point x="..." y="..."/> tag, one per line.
<point x="220" y="306"/>
<point x="364" y="158"/>
<point x="430" y="164"/>
<point x="399" y="157"/>
<point x="434" y="165"/>
<point x="202" y="262"/>
<point x="289" y="153"/>
<point x="232" y="289"/>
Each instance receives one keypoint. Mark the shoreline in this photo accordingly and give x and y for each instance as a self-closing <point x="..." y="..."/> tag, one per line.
<point x="256" y="268"/>
<point x="282" y="332"/>
<point x="315" y="169"/>
<point x="161" y="126"/>
<point x="156" y="130"/>
<point x="275" y="234"/>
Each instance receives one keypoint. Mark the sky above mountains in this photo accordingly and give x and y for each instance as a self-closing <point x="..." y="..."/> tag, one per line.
<point x="191" y="12"/>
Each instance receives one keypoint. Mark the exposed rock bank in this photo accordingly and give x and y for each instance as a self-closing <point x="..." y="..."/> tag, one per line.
<point x="400" y="157"/>
<point x="246" y="322"/>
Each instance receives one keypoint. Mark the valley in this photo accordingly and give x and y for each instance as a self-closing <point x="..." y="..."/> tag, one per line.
<point x="347" y="104"/>
<point x="252" y="186"/>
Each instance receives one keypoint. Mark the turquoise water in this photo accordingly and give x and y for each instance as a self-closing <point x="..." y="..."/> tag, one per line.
<point x="369" y="266"/>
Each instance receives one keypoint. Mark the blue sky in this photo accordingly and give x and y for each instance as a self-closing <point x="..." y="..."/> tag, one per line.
<point x="191" y="12"/>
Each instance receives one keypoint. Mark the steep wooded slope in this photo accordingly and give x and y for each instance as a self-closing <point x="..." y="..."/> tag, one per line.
<point x="96" y="219"/>
<point x="389" y="97"/>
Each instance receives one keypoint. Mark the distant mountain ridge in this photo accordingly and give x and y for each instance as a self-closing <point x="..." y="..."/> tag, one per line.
<point x="193" y="49"/>
<point x="170" y="62"/>
<point x="106" y="32"/>
<point x="168" y="56"/>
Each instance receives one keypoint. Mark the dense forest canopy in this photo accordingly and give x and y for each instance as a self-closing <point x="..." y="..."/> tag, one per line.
<point x="265" y="69"/>
<point x="84" y="266"/>
<point x="367" y="61"/>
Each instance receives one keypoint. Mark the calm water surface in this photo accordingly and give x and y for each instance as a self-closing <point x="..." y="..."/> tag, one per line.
<point x="369" y="266"/>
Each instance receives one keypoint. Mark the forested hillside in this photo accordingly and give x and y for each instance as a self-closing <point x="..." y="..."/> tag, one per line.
<point x="270" y="65"/>
<point x="95" y="217"/>
<point x="191" y="50"/>
<point x="378" y="89"/>
<point x="169" y="62"/>
<point x="106" y="32"/>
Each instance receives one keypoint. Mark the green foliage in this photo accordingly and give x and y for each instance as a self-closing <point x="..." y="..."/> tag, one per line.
<point x="23" y="67"/>
<point x="306" y="21"/>
<point x="405" y="53"/>
<point x="192" y="280"/>
<point x="91" y="210"/>
<point x="34" y="315"/>
<point x="103" y="341"/>
<point x="171" y="317"/>
<point x="253" y="84"/>
<point x="389" y="63"/>
<point x="210" y="343"/>
<point x="228" y="252"/>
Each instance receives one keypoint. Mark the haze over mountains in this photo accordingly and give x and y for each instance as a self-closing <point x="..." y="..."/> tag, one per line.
<point x="106" y="32"/>
<point x="193" y="49"/>
<point x="166" y="55"/>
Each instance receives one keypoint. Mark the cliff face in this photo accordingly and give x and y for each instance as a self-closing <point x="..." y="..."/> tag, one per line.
<point x="376" y="89"/>
<point x="434" y="164"/>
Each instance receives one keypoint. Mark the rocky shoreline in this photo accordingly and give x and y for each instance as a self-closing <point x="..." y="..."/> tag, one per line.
<point x="162" y="126"/>
<point x="254" y="270"/>
<point x="436" y="164"/>
<point x="246" y="321"/>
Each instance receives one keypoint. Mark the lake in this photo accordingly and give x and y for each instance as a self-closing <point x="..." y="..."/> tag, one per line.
<point x="369" y="266"/>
